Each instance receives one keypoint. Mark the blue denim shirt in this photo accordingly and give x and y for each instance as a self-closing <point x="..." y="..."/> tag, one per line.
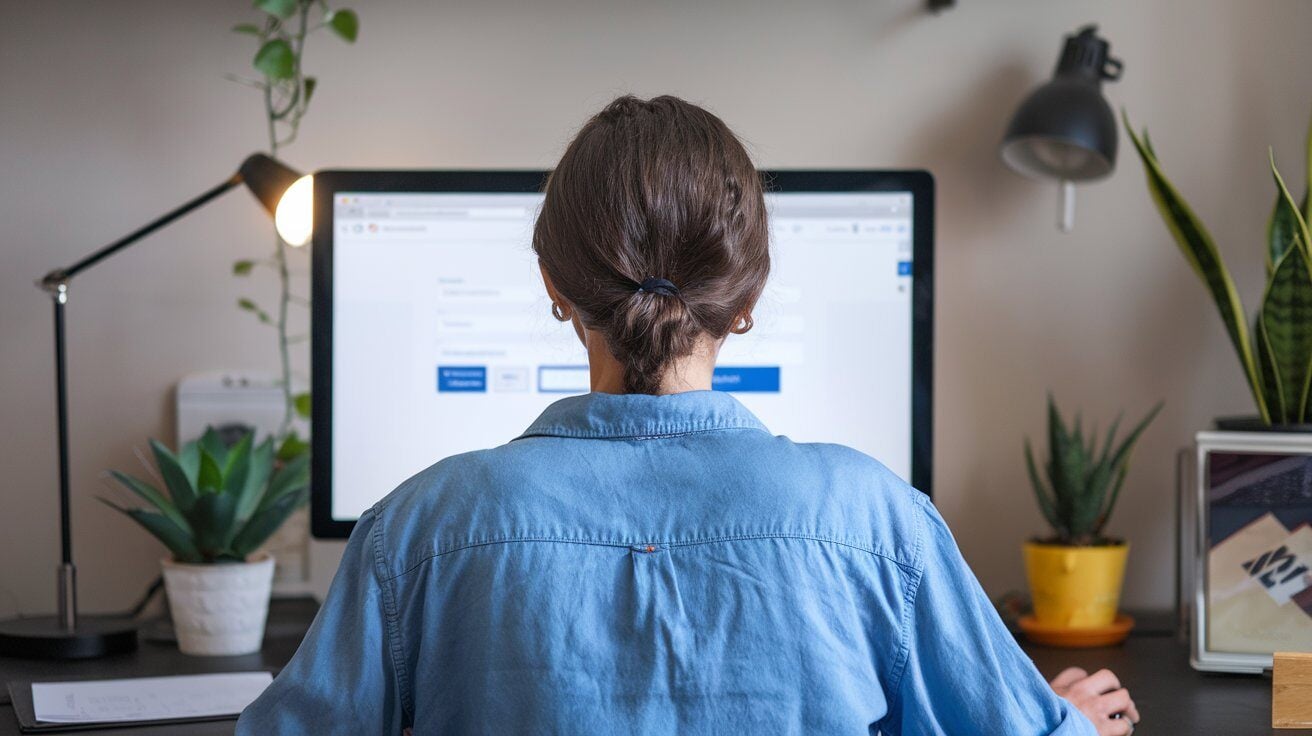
<point x="639" y="564"/>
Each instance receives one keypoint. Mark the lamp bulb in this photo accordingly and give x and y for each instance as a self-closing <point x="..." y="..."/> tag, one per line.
<point x="294" y="216"/>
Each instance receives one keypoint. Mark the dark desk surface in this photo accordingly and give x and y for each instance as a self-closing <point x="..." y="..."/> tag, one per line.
<point x="1172" y="698"/>
<point x="288" y="620"/>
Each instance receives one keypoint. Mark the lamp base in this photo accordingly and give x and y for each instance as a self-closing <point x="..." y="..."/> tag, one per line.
<point x="44" y="637"/>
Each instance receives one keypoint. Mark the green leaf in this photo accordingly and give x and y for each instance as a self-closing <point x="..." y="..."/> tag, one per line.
<point x="237" y="465"/>
<point x="189" y="459"/>
<point x="1280" y="230"/>
<point x="1041" y="492"/>
<point x="1286" y="323"/>
<point x="275" y="60"/>
<point x="177" y="540"/>
<point x="292" y="477"/>
<point x="1122" y="455"/>
<point x="247" y="28"/>
<point x="181" y="485"/>
<point x="243" y="268"/>
<point x="213" y="523"/>
<point x="345" y="23"/>
<point x="282" y="9"/>
<point x="1300" y="225"/>
<point x="292" y="447"/>
<point x="265" y="522"/>
<point x="1307" y="185"/>
<point x="210" y="480"/>
<point x="1266" y="365"/>
<point x="311" y="84"/>
<point x="257" y="480"/>
<point x="211" y="442"/>
<point x="301" y="402"/>
<point x="250" y="306"/>
<point x="151" y="495"/>
<point x="1200" y="251"/>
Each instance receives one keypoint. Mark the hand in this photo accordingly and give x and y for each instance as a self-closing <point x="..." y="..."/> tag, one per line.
<point x="1100" y="698"/>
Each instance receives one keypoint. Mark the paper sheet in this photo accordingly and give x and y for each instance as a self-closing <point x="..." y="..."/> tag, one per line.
<point x="147" y="698"/>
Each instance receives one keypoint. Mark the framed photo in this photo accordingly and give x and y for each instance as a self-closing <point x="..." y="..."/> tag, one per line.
<point x="1250" y="549"/>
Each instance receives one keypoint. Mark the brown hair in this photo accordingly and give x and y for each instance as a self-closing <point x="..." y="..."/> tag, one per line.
<point x="661" y="189"/>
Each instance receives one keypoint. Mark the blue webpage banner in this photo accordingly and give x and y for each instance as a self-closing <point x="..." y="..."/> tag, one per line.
<point x="746" y="378"/>
<point x="472" y="378"/>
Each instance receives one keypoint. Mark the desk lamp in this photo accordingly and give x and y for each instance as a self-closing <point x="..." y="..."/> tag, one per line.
<point x="287" y="197"/>
<point x="1065" y="129"/>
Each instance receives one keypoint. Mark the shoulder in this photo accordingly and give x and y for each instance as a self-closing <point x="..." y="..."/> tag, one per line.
<point x="874" y="502"/>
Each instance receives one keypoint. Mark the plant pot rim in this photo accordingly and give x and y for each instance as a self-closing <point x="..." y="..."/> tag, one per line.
<point x="1254" y="423"/>
<point x="1111" y="545"/>
<point x="259" y="558"/>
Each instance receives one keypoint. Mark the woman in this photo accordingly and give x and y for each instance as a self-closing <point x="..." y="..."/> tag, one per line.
<point x="647" y="558"/>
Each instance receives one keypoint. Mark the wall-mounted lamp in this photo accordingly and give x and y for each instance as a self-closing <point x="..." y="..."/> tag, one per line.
<point x="1065" y="129"/>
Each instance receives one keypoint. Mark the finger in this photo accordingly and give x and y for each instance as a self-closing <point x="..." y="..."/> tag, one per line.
<point x="1132" y="712"/>
<point x="1068" y="677"/>
<point x="1116" y="701"/>
<point x="1116" y="727"/>
<point x="1098" y="683"/>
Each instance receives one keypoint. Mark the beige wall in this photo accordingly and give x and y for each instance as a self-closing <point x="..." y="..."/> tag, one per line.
<point x="111" y="112"/>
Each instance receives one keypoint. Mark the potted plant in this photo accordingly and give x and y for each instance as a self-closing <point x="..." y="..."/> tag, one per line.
<point x="1275" y="348"/>
<point x="1075" y="573"/>
<point x="221" y="504"/>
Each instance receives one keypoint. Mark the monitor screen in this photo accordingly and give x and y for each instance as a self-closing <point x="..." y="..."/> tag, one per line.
<point x="442" y="339"/>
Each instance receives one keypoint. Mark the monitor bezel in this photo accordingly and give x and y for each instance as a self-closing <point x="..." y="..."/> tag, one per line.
<point x="918" y="183"/>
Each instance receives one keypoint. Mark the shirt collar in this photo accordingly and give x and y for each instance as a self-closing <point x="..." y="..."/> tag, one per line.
<point x="635" y="416"/>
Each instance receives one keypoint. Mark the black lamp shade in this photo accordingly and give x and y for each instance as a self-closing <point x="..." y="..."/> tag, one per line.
<point x="267" y="178"/>
<point x="1065" y="129"/>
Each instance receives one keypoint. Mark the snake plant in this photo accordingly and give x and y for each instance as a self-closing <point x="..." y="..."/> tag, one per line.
<point x="222" y="502"/>
<point x="1081" y="481"/>
<point x="1275" y="348"/>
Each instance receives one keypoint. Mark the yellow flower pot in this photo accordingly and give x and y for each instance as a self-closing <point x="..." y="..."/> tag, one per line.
<point x="1075" y="587"/>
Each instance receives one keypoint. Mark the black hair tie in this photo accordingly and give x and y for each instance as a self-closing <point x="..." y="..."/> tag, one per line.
<point x="653" y="285"/>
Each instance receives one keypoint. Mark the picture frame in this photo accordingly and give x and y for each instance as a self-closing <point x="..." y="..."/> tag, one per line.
<point x="1246" y="549"/>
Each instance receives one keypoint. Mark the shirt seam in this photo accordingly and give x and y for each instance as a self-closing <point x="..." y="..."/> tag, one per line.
<point x="627" y="544"/>
<point x="391" y="614"/>
<point x="910" y="591"/>
<point x="635" y="434"/>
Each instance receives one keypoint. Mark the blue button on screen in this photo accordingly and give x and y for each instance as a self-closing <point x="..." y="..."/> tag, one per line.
<point x="462" y="378"/>
<point x="747" y="378"/>
<point x="904" y="268"/>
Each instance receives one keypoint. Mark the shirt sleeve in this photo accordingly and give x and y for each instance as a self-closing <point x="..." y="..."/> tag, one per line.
<point x="964" y="673"/>
<point x="342" y="679"/>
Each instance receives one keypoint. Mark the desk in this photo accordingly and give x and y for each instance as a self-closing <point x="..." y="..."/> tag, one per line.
<point x="1173" y="698"/>
<point x="288" y="620"/>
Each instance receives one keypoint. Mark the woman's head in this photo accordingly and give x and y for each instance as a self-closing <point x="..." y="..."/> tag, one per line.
<point x="651" y="190"/>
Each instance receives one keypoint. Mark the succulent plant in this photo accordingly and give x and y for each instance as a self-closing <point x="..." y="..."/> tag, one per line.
<point x="1082" y="481"/>
<point x="222" y="502"/>
<point x="1275" y="348"/>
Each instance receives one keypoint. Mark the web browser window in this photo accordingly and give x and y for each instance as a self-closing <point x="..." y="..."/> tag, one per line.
<point x="443" y="340"/>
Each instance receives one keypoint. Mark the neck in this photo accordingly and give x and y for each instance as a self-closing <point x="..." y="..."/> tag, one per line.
<point x="690" y="373"/>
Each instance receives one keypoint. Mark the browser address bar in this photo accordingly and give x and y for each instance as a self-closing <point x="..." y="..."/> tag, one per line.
<point x="472" y="213"/>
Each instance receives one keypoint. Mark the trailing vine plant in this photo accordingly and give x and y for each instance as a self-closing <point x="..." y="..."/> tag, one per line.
<point x="281" y="32"/>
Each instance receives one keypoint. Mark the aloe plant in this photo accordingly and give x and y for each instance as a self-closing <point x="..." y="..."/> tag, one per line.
<point x="1275" y="348"/>
<point x="222" y="502"/>
<point x="1081" y="481"/>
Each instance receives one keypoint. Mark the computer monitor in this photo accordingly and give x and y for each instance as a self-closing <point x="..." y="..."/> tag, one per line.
<point x="432" y="334"/>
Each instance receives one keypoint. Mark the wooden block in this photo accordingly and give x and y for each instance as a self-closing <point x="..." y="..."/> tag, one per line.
<point x="1291" y="690"/>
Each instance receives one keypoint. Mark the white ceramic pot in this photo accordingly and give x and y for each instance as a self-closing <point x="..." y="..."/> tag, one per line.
<point x="219" y="609"/>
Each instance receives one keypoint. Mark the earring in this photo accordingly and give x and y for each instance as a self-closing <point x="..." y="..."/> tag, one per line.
<point x="559" y="312"/>
<point x="744" y="325"/>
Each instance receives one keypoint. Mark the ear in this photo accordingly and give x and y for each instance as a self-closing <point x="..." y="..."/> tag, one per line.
<point x="551" y="288"/>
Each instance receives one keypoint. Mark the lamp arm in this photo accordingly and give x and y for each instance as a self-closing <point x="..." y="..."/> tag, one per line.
<point x="53" y="281"/>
